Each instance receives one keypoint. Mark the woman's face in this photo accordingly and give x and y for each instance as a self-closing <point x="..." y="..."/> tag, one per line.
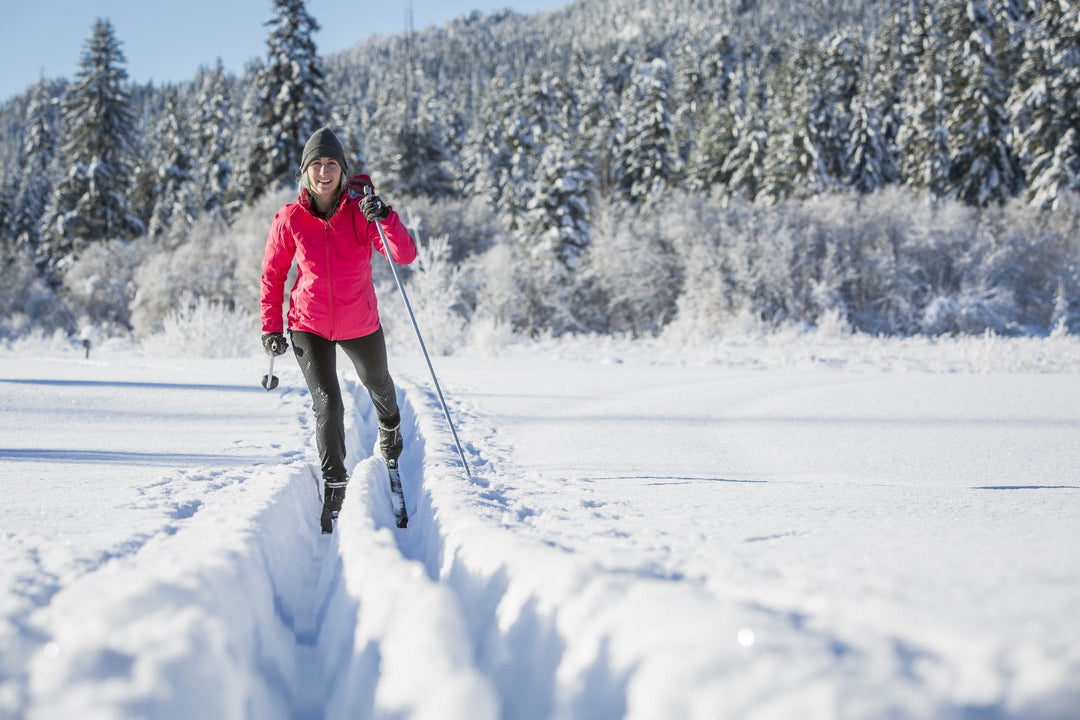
<point x="324" y="177"/>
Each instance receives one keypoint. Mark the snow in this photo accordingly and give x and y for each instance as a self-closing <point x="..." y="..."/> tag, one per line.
<point x="770" y="527"/>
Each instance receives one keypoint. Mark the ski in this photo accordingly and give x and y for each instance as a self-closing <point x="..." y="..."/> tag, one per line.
<point x="397" y="496"/>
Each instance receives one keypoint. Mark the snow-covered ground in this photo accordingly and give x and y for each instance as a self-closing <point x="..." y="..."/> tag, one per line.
<point x="784" y="527"/>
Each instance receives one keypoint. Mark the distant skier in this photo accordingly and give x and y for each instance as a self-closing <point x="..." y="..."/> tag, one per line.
<point x="330" y="232"/>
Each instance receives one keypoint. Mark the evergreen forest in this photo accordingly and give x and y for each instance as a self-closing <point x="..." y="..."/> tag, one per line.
<point x="648" y="168"/>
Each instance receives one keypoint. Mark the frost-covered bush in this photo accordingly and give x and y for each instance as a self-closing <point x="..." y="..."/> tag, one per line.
<point x="471" y="226"/>
<point x="27" y="303"/>
<point x="709" y="297"/>
<point x="892" y="262"/>
<point x="200" y="327"/>
<point x="635" y="270"/>
<point x="215" y="261"/>
<point x="435" y="293"/>
<point x="98" y="286"/>
<point x="496" y="296"/>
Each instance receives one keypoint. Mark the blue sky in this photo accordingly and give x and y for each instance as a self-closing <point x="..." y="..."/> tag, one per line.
<point x="168" y="41"/>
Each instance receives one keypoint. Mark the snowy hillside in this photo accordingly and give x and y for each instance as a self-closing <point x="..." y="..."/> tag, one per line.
<point x="773" y="528"/>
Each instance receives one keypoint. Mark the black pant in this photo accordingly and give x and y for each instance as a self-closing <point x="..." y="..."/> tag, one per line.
<point x="318" y="361"/>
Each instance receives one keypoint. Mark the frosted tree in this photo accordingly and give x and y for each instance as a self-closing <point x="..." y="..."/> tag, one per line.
<point x="984" y="169"/>
<point x="646" y="156"/>
<point x="485" y="156"/>
<point x="923" y="139"/>
<point x="292" y="100"/>
<point x="39" y="153"/>
<point x="177" y="194"/>
<point x="743" y="165"/>
<point x="91" y="202"/>
<point x="791" y="161"/>
<point x="831" y="94"/>
<point x="213" y="137"/>
<point x="9" y="191"/>
<point x="1045" y="103"/>
<point x="553" y="236"/>
<point x="702" y="82"/>
<point x="635" y="270"/>
<point x="246" y="109"/>
<point x="556" y="223"/>
<point x="531" y="110"/>
<point x="602" y="118"/>
<point x="888" y="63"/>
<point x="868" y="157"/>
<point x="418" y="162"/>
<point x="712" y="133"/>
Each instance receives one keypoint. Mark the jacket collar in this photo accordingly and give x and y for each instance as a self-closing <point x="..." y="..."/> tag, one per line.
<point x="305" y="202"/>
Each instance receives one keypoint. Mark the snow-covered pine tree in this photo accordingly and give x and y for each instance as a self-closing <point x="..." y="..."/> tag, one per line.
<point x="9" y="192"/>
<point x="177" y="193"/>
<point x="984" y="168"/>
<point x="833" y="90"/>
<point x="553" y="236"/>
<point x="868" y="160"/>
<point x="533" y="106"/>
<point x="713" y="136"/>
<point x="925" y="146"/>
<point x="345" y="116"/>
<point x="556" y="223"/>
<point x="485" y="157"/>
<point x="213" y="136"/>
<point x="418" y="159"/>
<point x="291" y="98"/>
<point x="886" y="67"/>
<point x="90" y="204"/>
<point x="791" y="162"/>
<point x="598" y="118"/>
<point x="743" y="165"/>
<point x="246" y="109"/>
<point x="602" y="119"/>
<point x="646" y="156"/>
<point x="702" y="83"/>
<point x="1045" y="103"/>
<point x="39" y="153"/>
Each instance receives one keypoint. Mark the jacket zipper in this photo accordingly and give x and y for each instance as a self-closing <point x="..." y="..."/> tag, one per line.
<point x="329" y="279"/>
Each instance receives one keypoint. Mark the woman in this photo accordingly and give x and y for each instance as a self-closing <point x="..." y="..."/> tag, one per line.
<point x="330" y="232"/>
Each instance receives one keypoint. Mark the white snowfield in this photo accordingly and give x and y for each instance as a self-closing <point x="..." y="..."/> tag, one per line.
<point x="802" y="529"/>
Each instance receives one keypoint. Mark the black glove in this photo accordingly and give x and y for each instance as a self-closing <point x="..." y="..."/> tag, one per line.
<point x="374" y="208"/>
<point x="274" y="343"/>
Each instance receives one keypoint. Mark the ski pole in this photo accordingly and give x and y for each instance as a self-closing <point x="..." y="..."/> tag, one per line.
<point x="412" y="316"/>
<point x="269" y="380"/>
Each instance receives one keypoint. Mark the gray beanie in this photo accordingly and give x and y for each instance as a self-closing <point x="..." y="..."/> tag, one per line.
<point x="323" y="143"/>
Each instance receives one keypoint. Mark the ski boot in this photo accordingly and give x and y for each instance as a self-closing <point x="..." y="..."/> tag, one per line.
<point x="390" y="442"/>
<point x="390" y="445"/>
<point x="333" y="495"/>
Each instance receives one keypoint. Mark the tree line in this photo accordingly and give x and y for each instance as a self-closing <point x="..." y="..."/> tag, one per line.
<point x="570" y="139"/>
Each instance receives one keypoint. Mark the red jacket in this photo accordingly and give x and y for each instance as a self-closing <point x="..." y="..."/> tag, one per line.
<point x="333" y="296"/>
